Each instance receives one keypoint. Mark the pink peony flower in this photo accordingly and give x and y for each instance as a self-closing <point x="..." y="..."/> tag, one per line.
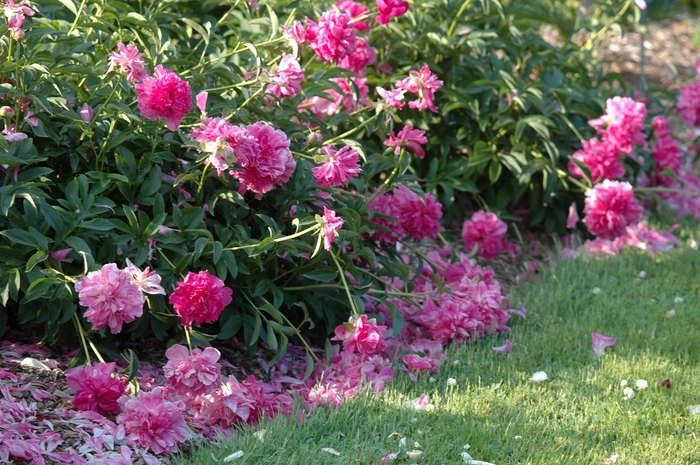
<point x="200" y="298"/>
<point x="96" y="387"/>
<point x="338" y="167"/>
<point x="334" y="36"/>
<point x="164" y="96"/>
<point x="601" y="158"/>
<point x="60" y="255"/>
<point x="505" y="348"/>
<point x="86" y="113"/>
<point x="201" y="100"/>
<point x="345" y="101"/>
<point x="154" y="422"/>
<point x="622" y="125"/>
<point x="600" y="342"/>
<point x="390" y="9"/>
<point x="384" y="205"/>
<point x="147" y="281"/>
<point x="418" y="218"/>
<point x="195" y="374"/>
<point x="424" y="84"/>
<point x="330" y="224"/>
<point x="409" y="138"/>
<point x="129" y="61"/>
<point x="14" y="12"/>
<point x="224" y="142"/>
<point x="12" y="135"/>
<point x="610" y="207"/>
<point x="355" y="10"/>
<point x="573" y="217"/>
<point x="486" y="231"/>
<point x="361" y="335"/>
<point x="667" y="155"/>
<point x="392" y="98"/>
<point x="661" y="127"/>
<point x="286" y="78"/>
<point x="112" y="299"/>
<point x="267" y="162"/>
<point x="360" y="59"/>
<point x="299" y="34"/>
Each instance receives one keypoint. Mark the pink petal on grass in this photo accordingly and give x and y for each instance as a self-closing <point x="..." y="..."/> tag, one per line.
<point x="505" y="348"/>
<point x="600" y="342"/>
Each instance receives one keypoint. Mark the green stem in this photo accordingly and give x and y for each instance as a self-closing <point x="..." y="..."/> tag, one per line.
<point x="189" y="341"/>
<point x="396" y="168"/>
<point x="355" y="312"/>
<point x="201" y="182"/>
<point x="352" y="131"/>
<point x="97" y="352"/>
<point x="279" y="239"/>
<point x="255" y="94"/>
<point x="83" y="342"/>
<point x="451" y="30"/>
<point x="77" y="17"/>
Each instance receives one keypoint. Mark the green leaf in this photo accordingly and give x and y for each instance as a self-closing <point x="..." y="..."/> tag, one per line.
<point x="322" y="275"/>
<point x="38" y="257"/>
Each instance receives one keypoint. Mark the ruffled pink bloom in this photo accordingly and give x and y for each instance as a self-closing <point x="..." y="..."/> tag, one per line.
<point x="201" y="100"/>
<point x="390" y="9"/>
<point x="355" y="10"/>
<point x="224" y="142"/>
<point x="338" y="167"/>
<point x="384" y="205"/>
<point x="14" y="12"/>
<point x="146" y="280"/>
<point x="164" y="96"/>
<point x="286" y="78"/>
<point x="86" y="113"/>
<point x="684" y="203"/>
<point x="11" y="135"/>
<point x="200" y="298"/>
<point x="610" y="207"/>
<point x="360" y="59"/>
<point x="424" y="84"/>
<point x="429" y="360"/>
<point x="330" y="224"/>
<point x="300" y="34"/>
<point x="392" y="98"/>
<point x="96" y="388"/>
<point x="602" y="160"/>
<point x="418" y="218"/>
<point x="195" y="374"/>
<point x="410" y="138"/>
<point x="623" y="124"/>
<point x="129" y="61"/>
<point x="600" y="342"/>
<point x="667" y="155"/>
<point x="641" y="236"/>
<point x="505" y="348"/>
<point x="334" y="36"/>
<point x="572" y="218"/>
<point x="268" y="162"/>
<point x="361" y="335"/>
<point x="661" y="127"/>
<point x="345" y="101"/>
<point x="486" y="231"/>
<point x="154" y="422"/>
<point x="112" y="299"/>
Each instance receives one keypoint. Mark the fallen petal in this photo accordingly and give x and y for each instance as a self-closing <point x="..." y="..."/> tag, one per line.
<point x="600" y="342"/>
<point x="694" y="409"/>
<point x="234" y="456"/>
<point x="612" y="459"/>
<point x="34" y="363"/>
<point x="539" y="376"/>
<point x="665" y="384"/>
<point x="390" y="457"/>
<point x="260" y="435"/>
<point x="505" y="348"/>
<point x="415" y="455"/>
<point x="330" y="450"/>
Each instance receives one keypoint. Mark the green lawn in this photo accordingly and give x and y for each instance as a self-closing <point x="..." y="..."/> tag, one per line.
<point x="578" y="416"/>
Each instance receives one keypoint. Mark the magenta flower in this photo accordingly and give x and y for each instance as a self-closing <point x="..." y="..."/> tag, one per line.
<point x="299" y="33"/>
<point x="200" y="298"/>
<point x="338" y="167"/>
<point x="330" y="224"/>
<point x="96" y="387"/>
<point x="86" y="113"/>
<point x="334" y="36"/>
<point x="384" y="204"/>
<point x="154" y="422"/>
<point x="418" y="218"/>
<point x="622" y="125"/>
<point x="14" y="12"/>
<point x="286" y="79"/>
<point x="486" y="231"/>
<point x="600" y="342"/>
<point x="224" y="142"/>
<point x="361" y="335"/>
<point x="112" y="299"/>
<point x="60" y="255"/>
<point x="602" y="159"/>
<point x="667" y="155"/>
<point x="360" y="59"/>
<point x="201" y="100"/>
<point x="410" y="138"/>
<point x="661" y="127"/>
<point x="267" y="162"/>
<point x="505" y="348"/>
<point x="390" y="9"/>
<point x="392" y="98"/>
<point x="164" y="96"/>
<point x="129" y="61"/>
<point x="610" y="207"/>
<point x="345" y="101"/>
<point x="355" y="10"/>
<point x="573" y="217"/>
<point x="424" y="84"/>
<point x="195" y="374"/>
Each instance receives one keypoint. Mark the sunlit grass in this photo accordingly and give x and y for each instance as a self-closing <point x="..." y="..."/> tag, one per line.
<point x="577" y="417"/>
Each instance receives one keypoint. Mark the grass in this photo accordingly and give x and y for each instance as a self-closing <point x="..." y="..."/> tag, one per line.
<point x="577" y="417"/>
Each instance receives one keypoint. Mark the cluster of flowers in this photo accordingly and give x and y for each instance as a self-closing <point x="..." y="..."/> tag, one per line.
<point x="15" y="14"/>
<point x="405" y="213"/>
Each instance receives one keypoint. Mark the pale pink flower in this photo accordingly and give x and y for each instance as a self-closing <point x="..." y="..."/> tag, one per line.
<point x="195" y="374"/>
<point x="622" y="125"/>
<point x="148" y="281"/>
<point x="112" y="299"/>
<point x="200" y="298"/>
<point x="642" y="4"/>
<point x="355" y="10"/>
<point x="334" y="36"/>
<point x="129" y="61"/>
<point x="486" y="231"/>
<point x="268" y="162"/>
<point x="573" y="217"/>
<point x="505" y="348"/>
<point x="361" y="335"/>
<point x="667" y="155"/>
<point x="610" y="207"/>
<point x="60" y="255"/>
<point x="424" y="84"/>
<point x="154" y="422"/>
<point x="661" y="127"/>
<point x="600" y="342"/>
<point x="96" y="387"/>
<point x="286" y="78"/>
<point x="602" y="160"/>
<point x="201" y="100"/>
<point x="339" y="102"/>
<point x="410" y="138"/>
<point x="392" y="98"/>
<point x="358" y="61"/>
<point x="390" y="9"/>
<point x="86" y="113"/>
<point x="30" y="119"/>
<point x="164" y="96"/>
<point x="338" y="167"/>
<point x="224" y="142"/>
<point x="14" y="12"/>
<point x="420" y="403"/>
<point x="6" y="112"/>
<point x="11" y="135"/>
<point x="418" y="218"/>
<point x="330" y="224"/>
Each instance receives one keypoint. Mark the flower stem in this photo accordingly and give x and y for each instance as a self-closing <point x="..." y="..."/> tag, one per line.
<point x="77" y="17"/>
<point x="355" y="312"/>
<point x="353" y="130"/>
<point x="279" y="239"/>
<point x="187" y="336"/>
<point x="464" y="6"/>
<point x="83" y="342"/>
